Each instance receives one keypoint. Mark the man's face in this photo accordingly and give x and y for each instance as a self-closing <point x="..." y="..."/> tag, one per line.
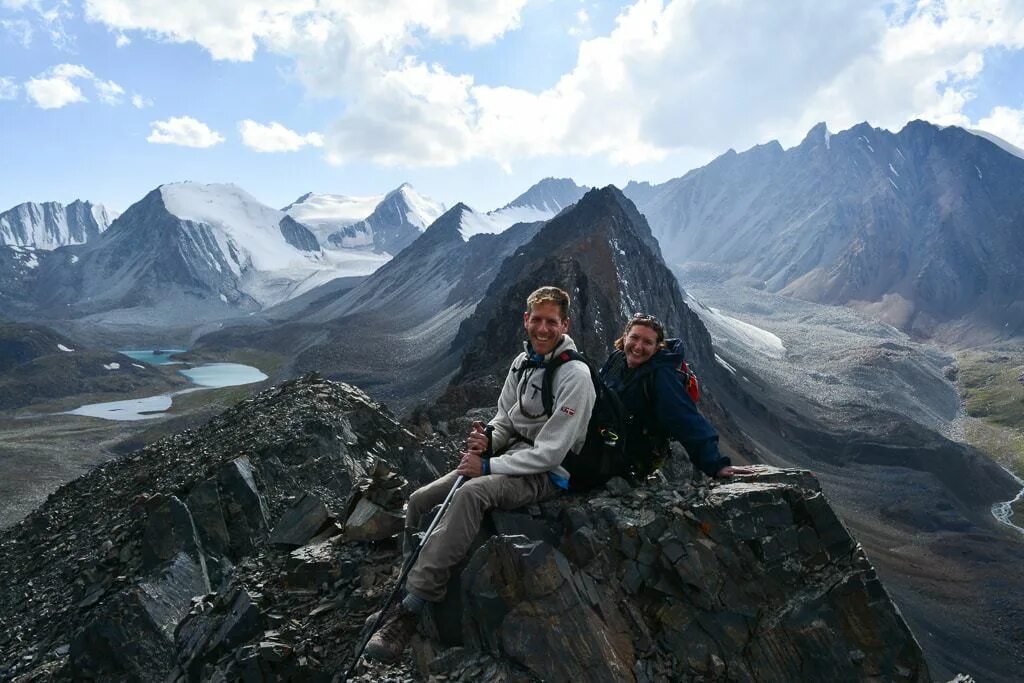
<point x="545" y="326"/>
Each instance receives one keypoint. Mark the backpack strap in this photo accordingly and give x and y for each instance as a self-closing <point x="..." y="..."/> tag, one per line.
<point x="547" y="391"/>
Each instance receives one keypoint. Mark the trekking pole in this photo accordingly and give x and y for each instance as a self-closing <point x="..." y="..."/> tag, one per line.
<point x="409" y="562"/>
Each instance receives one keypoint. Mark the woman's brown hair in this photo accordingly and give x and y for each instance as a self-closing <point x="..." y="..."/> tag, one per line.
<point x="647" y="321"/>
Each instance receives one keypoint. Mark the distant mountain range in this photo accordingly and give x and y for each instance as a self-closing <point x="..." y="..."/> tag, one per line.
<point x="188" y="253"/>
<point x="384" y="224"/>
<point x="920" y="228"/>
<point x="51" y="224"/>
<point x="923" y="228"/>
<point x="200" y="250"/>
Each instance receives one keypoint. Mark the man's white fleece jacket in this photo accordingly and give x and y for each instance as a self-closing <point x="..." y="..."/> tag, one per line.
<point x="521" y="411"/>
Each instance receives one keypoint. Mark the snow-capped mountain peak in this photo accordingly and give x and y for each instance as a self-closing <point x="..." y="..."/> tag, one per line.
<point x="396" y="221"/>
<point x="328" y="213"/>
<point x="542" y="202"/>
<point x="51" y="224"/>
<point x="421" y="211"/>
<point x="549" y="196"/>
<point x="242" y="223"/>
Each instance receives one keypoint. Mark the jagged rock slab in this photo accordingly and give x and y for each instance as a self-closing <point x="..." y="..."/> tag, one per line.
<point x="132" y="636"/>
<point x="245" y="510"/>
<point x="300" y="522"/>
<point x="371" y="522"/>
<point x="522" y="602"/>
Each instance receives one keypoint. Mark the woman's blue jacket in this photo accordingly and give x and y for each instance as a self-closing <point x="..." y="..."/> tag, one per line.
<point x="661" y="409"/>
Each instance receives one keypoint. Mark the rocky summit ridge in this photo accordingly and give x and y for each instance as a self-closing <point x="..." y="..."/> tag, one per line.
<point x="255" y="546"/>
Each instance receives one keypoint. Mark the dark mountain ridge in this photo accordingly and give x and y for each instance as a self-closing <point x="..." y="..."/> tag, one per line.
<point x="922" y="228"/>
<point x="602" y="252"/>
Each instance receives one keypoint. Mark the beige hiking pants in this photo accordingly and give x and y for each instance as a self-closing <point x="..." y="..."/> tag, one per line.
<point x="447" y="546"/>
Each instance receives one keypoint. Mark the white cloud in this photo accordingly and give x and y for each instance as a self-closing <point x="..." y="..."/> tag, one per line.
<point x="19" y="29"/>
<point x="1007" y="123"/>
<point x="122" y="40"/>
<point x="54" y="88"/>
<point x="109" y="92"/>
<point x="140" y="102"/>
<point x="69" y="71"/>
<point x="60" y="86"/>
<point x="46" y="16"/>
<point x="233" y="29"/>
<point x="274" y="137"/>
<point x="676" y="77"/>
<point x="582" y="24"/>
<point x="184" y="131"/>
<point x="8" y="88"/>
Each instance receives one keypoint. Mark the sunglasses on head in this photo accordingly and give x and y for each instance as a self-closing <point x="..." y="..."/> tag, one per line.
<point x="647" y="318"/>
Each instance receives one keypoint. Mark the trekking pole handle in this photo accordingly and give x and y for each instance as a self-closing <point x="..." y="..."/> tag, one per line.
<point x="489" y="430"/>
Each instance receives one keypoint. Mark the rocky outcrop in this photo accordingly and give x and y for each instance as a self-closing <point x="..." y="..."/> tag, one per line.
<point x="756" y="580"/>
<point x="180" y="563"/>
<point x="124" y="550"/>
<point x="298" y="235"/>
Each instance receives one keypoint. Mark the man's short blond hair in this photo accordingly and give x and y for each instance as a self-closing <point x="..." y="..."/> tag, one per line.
<point x="552" y="295"/>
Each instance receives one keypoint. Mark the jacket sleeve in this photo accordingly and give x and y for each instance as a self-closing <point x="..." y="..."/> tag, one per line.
<point x="501" y="422"/>
<point x="572" y="405"/>
<point x="679" y="416"/>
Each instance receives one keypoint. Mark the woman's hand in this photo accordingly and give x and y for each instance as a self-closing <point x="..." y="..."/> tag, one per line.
<point x="732" y="470"/>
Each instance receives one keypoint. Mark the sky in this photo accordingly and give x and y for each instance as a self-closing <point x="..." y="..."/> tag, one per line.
<point x="469" y="100"/>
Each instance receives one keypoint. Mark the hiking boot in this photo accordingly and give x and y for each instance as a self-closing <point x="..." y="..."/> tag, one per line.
<point x="389" y="642"/>
<point x="372" y="619"/>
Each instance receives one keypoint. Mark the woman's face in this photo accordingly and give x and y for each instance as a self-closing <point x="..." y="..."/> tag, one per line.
<point x="640" y="344"/>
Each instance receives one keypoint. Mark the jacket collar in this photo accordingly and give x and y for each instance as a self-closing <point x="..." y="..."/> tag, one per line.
<point x="564" y="344"/>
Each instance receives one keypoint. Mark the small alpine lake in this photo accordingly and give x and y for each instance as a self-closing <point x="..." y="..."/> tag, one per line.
<point x="206" y="376"/>
<point x="154" y="356"/>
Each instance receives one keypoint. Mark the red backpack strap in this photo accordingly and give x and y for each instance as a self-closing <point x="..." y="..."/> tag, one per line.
<point x="689" y="381"/>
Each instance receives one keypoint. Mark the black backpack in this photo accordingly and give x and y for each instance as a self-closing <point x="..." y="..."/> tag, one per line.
<point x="603" y="454"/>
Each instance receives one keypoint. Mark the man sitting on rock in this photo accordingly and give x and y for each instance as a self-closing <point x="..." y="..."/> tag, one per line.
<point x="531" y="445"/>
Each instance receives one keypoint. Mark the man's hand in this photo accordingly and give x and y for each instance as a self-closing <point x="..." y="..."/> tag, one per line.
<point x="471" y="465"/>
<point x="476" y="442"/>
<point x="730" y="471"/>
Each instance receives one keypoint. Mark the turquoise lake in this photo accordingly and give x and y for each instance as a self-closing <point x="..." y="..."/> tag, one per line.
<point x="208" y="376"/>
<point x="154" y="356"/>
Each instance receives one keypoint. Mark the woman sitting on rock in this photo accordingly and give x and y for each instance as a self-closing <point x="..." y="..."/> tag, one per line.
<point x="643" y="371"/>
